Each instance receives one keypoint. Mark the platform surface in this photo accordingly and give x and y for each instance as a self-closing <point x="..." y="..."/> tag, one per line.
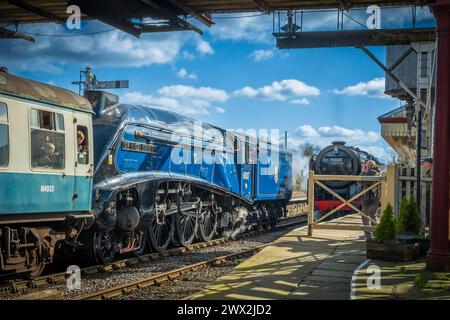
<point x="296" y="266"/>
<point x="402" y="281"/>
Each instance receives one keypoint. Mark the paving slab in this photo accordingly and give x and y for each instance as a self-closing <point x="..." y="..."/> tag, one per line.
<point x="309" y="290"/>
<point x="296" y="266"/>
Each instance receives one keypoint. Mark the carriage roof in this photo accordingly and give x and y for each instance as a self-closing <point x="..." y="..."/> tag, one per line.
<point x="41" y="92"/>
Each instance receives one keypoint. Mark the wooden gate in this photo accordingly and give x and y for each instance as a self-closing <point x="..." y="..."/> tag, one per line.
<point x="379" y="181"/>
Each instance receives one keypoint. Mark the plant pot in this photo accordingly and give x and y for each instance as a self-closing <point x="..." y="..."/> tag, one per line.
<point x="393" y="251"/>
<point x="423" y="242"/>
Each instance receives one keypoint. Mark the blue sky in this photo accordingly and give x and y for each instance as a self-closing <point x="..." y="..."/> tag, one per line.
<point x="233" y="76"/>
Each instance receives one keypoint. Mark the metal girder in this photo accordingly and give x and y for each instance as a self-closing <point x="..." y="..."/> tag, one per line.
<point x="204" y="18"/>
<point x="163" y="28"/>
<point x="352" y="38"/>
<point x="9" y="34"/>
<point x="171" y="16"/>
<point x="393" y="76"/>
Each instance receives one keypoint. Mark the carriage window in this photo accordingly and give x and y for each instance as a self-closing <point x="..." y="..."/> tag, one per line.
<point x="4" y="136"/>
<point x="82" y="145"/>
<point x="247" y="152"/>
<point x="47" y="139"/>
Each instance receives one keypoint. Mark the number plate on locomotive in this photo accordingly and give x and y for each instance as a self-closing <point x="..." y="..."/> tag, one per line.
<point x="138" y="147"/>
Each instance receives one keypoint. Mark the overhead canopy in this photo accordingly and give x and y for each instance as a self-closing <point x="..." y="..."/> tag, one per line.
<point x="125" y="14"/>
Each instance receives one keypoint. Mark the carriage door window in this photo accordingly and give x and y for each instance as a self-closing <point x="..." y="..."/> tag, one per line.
<point x="82" y="145"/>
<point x="247" y="151"/>
<point x="4" y="136"/>
<point x="47" y="139"/>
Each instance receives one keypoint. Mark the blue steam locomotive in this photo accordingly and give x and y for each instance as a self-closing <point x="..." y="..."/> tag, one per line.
<point x="105" y="178"/>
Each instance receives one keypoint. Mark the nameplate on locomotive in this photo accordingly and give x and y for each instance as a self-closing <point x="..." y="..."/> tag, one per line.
<point x="138" y="147"/>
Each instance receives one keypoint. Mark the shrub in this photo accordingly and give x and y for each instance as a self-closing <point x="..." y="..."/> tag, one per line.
<point x="409" y="221"/>
<point x="386" y="228"/>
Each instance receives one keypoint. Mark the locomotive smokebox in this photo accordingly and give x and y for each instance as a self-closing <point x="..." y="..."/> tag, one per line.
<point x="338" y="159"/>
<point x="128" y="218"/>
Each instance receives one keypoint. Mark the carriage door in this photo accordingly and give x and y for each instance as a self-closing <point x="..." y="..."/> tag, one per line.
<point x="247" y="171"/>
<point x="84" y="157"/>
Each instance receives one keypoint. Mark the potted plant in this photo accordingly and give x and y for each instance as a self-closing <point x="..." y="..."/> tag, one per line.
<point x="409" y="225"/>
<point x="385" y="246"/>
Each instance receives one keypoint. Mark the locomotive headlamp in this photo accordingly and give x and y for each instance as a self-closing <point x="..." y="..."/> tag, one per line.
<point x="138" y="135"/>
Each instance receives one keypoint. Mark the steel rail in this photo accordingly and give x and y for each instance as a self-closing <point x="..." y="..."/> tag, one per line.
<point x="157" y="279"/>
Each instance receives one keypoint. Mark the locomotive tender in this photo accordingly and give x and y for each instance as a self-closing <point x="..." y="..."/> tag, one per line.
<point x="338" y="159"/>
<point x="117" y="178"/>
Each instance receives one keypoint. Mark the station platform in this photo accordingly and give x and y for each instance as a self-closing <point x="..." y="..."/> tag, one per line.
<point x="296" y="266"/>
<point x="401" y="281"/>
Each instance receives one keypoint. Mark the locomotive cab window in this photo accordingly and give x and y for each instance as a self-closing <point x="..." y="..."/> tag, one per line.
<point x="82" y="145"/>
<point x="4" y="135"/>
<point x="47" y="139"/>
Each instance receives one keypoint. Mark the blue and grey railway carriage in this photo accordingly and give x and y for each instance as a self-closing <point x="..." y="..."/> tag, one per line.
<point x="105" y="178"/>
<point x="45" y="182"/>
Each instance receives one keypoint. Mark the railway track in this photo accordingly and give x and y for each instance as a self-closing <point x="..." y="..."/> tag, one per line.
<point x="128" y="288"/>
<point x="17" y="287"/>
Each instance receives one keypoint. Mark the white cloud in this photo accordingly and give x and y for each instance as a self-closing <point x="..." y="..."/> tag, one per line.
<point x="260" y="55"/>
<point x="373" y="89"/>
<point x="325" y="135"/>
<point x="307" y="131"/>
<point x="219" y="110"/>
<point x="183" y="74"/>
<point x="247" y="27"/>
<point x="204" y="48"/>
<point x="302" y="101"/>
<point x="179" y="98"/>
<point x="354" y="134"/>
<point x="290" y="90"/>
<point x="108" y="49"/>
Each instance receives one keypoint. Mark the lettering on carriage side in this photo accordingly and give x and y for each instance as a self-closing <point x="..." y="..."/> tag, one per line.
<point x="47" y="188"/>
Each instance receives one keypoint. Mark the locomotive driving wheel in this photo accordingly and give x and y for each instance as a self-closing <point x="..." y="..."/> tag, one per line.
<point x="187" y="219"/>
<point x="161" y="229"/>
<point x="208" y="220"/>
<point x="104" y="244"/>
